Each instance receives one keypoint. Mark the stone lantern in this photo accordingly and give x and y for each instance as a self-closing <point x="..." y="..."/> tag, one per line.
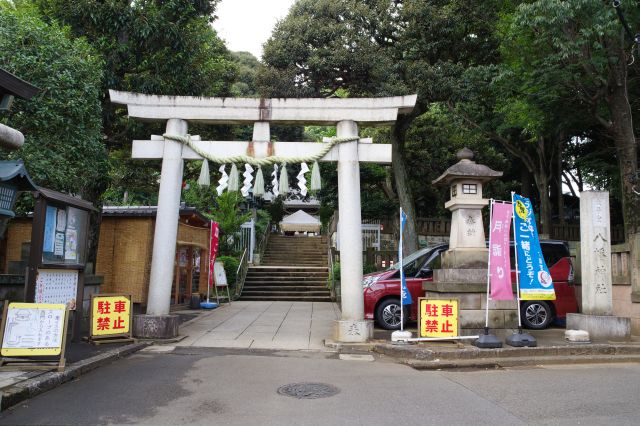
<point x="467" y="246"/>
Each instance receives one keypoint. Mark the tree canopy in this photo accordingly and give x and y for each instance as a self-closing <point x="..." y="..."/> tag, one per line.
<point x="62" y="125"/>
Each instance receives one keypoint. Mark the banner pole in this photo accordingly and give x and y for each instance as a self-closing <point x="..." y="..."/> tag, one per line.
<point x="210" y="268"/>
<point x="486" y="321"/>
<point x="400" y="256"/>
<point x="515" y="251"/>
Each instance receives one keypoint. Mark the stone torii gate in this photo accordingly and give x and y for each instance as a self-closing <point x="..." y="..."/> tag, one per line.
<point x="345" y="114"/>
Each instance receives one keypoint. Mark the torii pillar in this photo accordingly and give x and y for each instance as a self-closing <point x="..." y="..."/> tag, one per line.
<point x="345" y="114"/>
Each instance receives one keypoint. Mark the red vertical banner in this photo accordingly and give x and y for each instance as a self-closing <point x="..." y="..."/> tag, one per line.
<point x="213" y="249"/>
<point x="499" y="257"/>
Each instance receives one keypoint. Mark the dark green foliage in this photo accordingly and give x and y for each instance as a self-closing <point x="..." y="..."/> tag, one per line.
<point x="276" y="210"/>
<point x="166" y="48"/>
<point x="229" y="217"/>
<point x="230" y="268"/>
<point x="263" y="218"/>
<point x="63" y="142"/>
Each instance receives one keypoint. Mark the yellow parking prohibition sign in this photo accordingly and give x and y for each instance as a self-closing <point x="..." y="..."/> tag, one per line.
<point x="438" y="318"/>
<point x="110" y="316"/>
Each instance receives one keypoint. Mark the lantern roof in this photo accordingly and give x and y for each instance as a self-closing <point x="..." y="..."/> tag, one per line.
<point x="15" y="172"/>
<point x="466" y="168"/>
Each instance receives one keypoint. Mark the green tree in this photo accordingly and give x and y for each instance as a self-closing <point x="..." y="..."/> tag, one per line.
<point x="581" y="48"/>
<point x="229" y="217"/>
<point x="63" y="147"/>
<point x="379" y="48"/>
<point x="166" y="47"/>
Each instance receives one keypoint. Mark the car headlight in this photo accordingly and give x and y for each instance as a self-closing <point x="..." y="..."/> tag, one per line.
<point x="369" y="281"/>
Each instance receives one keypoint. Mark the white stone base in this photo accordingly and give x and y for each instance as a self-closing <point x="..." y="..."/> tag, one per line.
<point x="353" y="331"/>
<point x="401" y="336"/>
<point x="580" y="336"/>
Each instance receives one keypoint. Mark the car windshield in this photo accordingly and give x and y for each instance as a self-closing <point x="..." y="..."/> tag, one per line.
<point x="414" y="259"/>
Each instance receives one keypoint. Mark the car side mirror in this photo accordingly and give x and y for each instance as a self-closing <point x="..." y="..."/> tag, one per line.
<point x="425" y="272"/>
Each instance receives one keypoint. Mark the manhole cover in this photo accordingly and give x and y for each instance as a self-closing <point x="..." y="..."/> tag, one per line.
<point x="308" y="390"/>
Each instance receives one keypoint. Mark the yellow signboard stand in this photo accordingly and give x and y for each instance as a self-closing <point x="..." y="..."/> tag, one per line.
<point x="110" y="318"/>
<point x="438" y="318"/>
<point x="32" y="333"/>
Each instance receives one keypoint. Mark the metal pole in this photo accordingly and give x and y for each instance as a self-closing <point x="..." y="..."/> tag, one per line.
<point x="401" y="275"/>
<point x="515" y="252"/>
<point x="486" y="321"/>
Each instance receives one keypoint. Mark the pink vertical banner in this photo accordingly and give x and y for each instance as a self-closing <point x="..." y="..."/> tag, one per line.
<point x="213" y="249"/>
<point x="499" y="257"/>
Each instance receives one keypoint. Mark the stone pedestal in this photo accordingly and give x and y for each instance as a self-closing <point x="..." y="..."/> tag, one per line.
<point x="353" y="331"/>
<point x="601" y="327"/>
<point x="471" y="259"/>
<point x="469" y="286"/>
<point x="155" y="326"/>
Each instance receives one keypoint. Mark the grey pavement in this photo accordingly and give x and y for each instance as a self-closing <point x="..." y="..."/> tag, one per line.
<point x="263" y="325"/>
<point x="204" y="386"/>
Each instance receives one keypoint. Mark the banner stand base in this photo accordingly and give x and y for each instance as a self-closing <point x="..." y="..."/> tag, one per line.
<point x="521" y="339"/>
<point x="400" y="337"/>
<point x="487" y="341"/>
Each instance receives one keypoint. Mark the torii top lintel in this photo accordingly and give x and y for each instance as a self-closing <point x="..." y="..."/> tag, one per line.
<point x="320" y="111"/>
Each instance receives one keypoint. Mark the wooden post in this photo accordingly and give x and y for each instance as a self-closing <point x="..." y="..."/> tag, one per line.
<point x="189" y="287"/>
<point x="204" y="272"/>
<point x="176" y="293"/>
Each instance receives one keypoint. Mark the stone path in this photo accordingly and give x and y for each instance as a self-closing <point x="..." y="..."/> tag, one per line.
<point x="264" y="325"/>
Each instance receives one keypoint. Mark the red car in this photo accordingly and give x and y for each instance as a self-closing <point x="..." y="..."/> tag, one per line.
<point x="382" y="289"/>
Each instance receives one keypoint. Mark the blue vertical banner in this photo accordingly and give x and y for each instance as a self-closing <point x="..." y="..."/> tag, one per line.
<point x="535" y="280"/>
<point x="406" y="296"/>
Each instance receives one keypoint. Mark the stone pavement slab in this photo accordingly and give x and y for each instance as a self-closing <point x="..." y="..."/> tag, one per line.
<point x="264" y="325"/>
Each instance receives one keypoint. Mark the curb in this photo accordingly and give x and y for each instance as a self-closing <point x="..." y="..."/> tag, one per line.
<point x="496" y="363"/>
<point x="18" y="392"/>
<point x="423" y="358"/>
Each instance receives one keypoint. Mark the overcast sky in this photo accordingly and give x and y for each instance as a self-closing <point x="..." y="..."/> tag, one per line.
<point x="246" y="24"/>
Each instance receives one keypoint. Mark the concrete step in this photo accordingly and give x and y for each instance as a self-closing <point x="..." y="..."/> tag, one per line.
<point x="288" y="278"/>
<point x="280" y="288"/>
<point x="287" y="298"/>
<point x="251" y="292"/>
<point x="319" y="284"/>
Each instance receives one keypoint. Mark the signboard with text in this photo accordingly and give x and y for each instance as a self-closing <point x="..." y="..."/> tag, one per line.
<point x="110" y="315"/>
<point x="535" y="281"/>
<point x="438" y="318"/>
<point x="33" y="329"/>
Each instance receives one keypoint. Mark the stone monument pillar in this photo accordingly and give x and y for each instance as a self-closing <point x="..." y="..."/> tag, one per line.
<point x="595" y="251"/>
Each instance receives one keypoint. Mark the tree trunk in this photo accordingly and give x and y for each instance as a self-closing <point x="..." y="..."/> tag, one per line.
<point x="542" y="184"/>
<point x="559" y="192"/>
<point x="525" y="182"/>
<point x="405" y="197"/>
<point x="625" y="142"/>
<point x="623" y="135"/>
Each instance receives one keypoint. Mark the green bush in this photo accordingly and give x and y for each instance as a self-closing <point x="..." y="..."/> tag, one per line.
<point x="230" y="268"/>
<point x="335" y="272"/>
<point x="262" y="221"/>
<point x="369" y="268"/>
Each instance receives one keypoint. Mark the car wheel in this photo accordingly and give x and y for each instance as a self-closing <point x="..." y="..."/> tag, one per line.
<point x="388" y="314"/>
<point x="536" y="315"/>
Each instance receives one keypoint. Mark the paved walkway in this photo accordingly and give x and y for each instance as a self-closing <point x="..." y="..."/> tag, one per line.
<point x="263" y="325"/>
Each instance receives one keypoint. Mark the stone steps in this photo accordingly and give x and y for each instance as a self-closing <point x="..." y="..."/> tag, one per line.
<point x="288" y="298"/>
<point x="292" y="269"/>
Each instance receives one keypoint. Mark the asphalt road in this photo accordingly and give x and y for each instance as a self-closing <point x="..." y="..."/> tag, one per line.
<point x="216" y="386"/>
